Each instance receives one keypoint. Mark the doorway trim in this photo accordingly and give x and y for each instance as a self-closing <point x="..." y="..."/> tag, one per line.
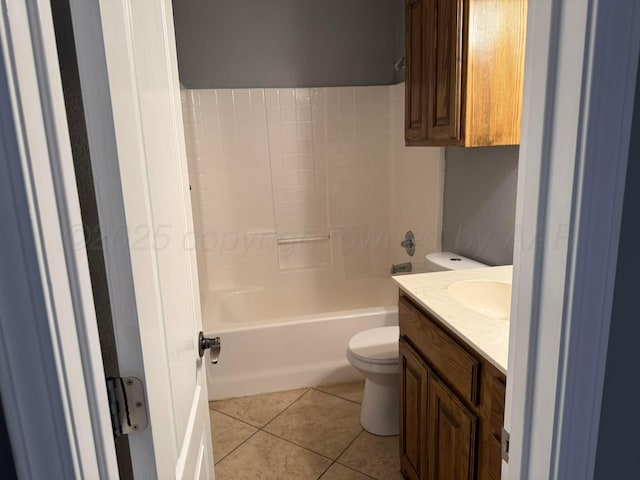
<point x="580" y="78"/>
<point x="51" y="372"/>
<point x="572" y="52"/>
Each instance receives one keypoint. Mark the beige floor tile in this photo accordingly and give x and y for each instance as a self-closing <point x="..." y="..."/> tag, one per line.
<point x="258" y="410"/>
<point x="351" y="391"/>
<point x="265" y="457"/>
<point x="340" y="472"/>
<point x="227" y="433"/>
<point x="320" y="422"/>
<point x="376" y="456"/>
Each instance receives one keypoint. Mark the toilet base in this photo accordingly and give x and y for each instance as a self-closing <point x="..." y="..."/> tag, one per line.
<point x="380" y="410"/>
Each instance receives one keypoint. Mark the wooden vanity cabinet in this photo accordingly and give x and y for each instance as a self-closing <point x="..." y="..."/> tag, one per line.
<point x="451" y="403"/>
<point x="464" y="71"/>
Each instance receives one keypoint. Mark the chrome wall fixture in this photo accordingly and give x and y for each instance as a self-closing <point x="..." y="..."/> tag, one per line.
<point x="401" y="268"/>
<point x="409" y="243"/>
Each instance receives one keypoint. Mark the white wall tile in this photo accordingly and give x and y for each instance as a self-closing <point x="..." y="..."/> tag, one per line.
<point x="287" y="96"/>
<point x="301" y="161"/>
<point x="241" y="97"/>
<point x="224" y="97"/>
<point x="303" y="113"/>
<point x="271" y="96"/>
<point x="303" y="96"/>
<point x="273" y="112"/>
<point x="287" y="112"/>
<point x="257" y="96"/>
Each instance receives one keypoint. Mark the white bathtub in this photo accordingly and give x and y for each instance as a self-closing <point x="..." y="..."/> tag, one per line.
<point x="291" y="336"/>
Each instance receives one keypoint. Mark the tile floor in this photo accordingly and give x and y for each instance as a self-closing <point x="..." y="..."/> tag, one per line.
<point x="309" y="433"/>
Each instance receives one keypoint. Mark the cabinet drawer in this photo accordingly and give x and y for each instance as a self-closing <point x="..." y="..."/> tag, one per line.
<point x="443" y="354"/>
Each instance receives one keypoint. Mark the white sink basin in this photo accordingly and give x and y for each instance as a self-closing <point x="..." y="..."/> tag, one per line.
<point x="489" y="298"/>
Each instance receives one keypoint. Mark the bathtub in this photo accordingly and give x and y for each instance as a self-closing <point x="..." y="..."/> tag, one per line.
<point x="291" y="336"/>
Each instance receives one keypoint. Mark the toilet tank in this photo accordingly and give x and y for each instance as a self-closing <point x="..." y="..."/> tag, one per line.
<point x="440" y="261"/>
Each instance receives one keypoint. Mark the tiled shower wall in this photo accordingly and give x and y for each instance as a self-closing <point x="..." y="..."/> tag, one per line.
<point x="323" y="170"/>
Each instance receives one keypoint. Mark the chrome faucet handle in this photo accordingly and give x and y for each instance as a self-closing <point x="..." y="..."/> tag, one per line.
<point x="409" y="243"/>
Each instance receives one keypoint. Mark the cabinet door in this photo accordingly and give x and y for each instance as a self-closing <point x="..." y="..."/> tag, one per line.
<point x="452" y="435"/>
<point x="444" y="70"/>
<point x="416" y="84"/>
<point x="433" y="83"/>
<point x="414" y="378"/>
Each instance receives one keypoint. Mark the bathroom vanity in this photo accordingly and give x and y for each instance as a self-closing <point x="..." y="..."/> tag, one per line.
<point x="453" y="373"/>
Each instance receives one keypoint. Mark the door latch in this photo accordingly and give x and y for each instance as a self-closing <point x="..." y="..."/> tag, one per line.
<point x="209" y="343"/>
<point x="504" y="445"/>
<point x="127" y="405"/>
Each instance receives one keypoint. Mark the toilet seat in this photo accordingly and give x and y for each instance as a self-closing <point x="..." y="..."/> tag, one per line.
<point x="377" y="345"/>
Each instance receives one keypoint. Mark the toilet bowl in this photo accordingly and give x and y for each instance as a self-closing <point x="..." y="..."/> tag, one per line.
<point x="374" y="353"/>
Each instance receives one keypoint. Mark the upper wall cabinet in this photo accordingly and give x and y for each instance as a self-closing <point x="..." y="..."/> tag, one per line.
<point x="464" y="71"/>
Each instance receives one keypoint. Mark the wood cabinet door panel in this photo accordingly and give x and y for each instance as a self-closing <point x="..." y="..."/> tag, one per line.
<point x="414" y="378"/>
<point x="444" y="67"/>
<point x="416" y="93"/>
<point x="452" y="435"/>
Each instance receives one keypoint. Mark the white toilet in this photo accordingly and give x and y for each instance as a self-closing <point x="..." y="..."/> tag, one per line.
<point x="374" y="353"/>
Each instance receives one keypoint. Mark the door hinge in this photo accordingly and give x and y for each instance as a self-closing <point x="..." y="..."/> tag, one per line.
<point x="504" y="445"/>
<point x="127" y="405"/>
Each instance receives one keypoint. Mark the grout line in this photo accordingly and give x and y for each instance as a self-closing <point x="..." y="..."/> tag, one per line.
<point x="234" y="418"/>
<point x="298" y="445"/>
<point x="306" y="390"/>
<point x="350" y="443"/>
<point x="336" y="395"/>
<point x="237" y="447"/>
<point x="302" y="446"/>
<point x="348" y="466"/>
<point x="262" y="429"/>
<point x="258" y="429"/>
<point x="326" y="469"/>
<point x="287" y="408"/>
<point x="251" y="424"/>
<point x="354" y="470"/>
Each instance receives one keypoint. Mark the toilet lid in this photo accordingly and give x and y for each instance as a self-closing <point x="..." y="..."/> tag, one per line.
<point x="378" y="345"/>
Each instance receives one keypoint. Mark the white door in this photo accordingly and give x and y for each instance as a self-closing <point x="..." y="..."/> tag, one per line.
<point x="161" y="346"/>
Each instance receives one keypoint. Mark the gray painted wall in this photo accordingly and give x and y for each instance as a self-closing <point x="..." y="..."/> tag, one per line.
<point x="618" y="439"/>
<point x="480" y="203"/>
<point x="288" y="43"/>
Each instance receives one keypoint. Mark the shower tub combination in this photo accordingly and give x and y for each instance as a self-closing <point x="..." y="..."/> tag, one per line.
<point x="285" y="337"/>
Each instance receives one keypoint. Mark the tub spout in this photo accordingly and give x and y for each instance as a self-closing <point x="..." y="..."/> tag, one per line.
<point x="401" y="268"/>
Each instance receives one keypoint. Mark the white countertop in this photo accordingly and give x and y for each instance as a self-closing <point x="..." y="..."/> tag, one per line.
<point x="488" y="336"/>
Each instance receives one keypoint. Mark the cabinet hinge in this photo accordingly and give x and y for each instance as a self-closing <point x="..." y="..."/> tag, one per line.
<point x="127" y="405"/>
<point x="504" y="445"/>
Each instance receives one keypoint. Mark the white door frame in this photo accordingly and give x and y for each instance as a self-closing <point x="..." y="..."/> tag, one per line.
<point x="580" y="78"/>
<point x="51" y="372"/>
<point x="581" y="59"/>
